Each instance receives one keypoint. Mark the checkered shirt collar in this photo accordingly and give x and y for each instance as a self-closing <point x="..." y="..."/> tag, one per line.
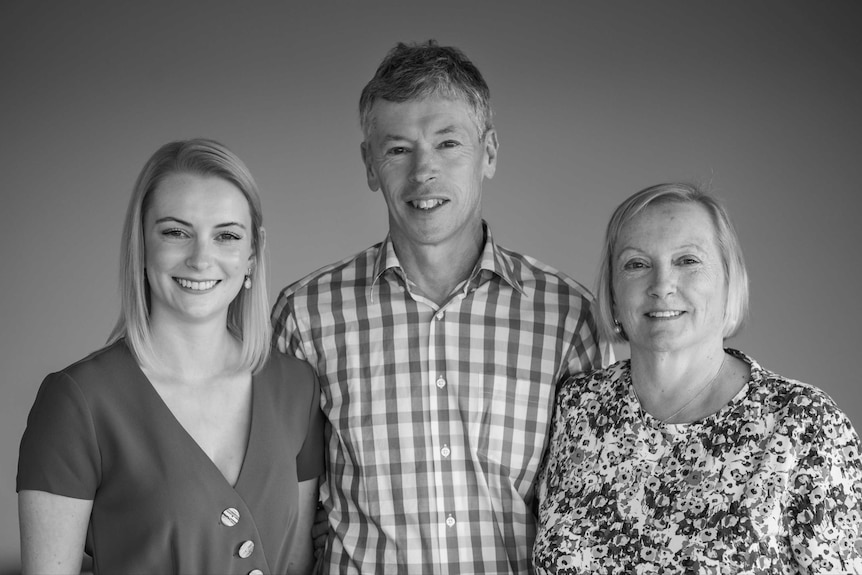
<point x="492" y="260"/>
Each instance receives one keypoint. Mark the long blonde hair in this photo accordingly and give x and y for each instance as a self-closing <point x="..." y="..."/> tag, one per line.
<point x="248" y="314"/>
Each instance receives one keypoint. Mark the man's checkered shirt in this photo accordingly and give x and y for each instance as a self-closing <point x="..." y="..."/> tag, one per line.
<point x="438" y="415"/>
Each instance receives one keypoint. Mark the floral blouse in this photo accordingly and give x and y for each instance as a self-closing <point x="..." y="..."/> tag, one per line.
<point x="771" y="483"/>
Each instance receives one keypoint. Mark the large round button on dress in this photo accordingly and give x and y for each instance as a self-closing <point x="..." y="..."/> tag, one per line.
<point x="229" y="517"/>
<point x="246" y="549"/>
<point x="255" y="572"/>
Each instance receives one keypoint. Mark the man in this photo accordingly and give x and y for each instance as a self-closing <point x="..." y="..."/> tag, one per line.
<point x="438" y="351"/>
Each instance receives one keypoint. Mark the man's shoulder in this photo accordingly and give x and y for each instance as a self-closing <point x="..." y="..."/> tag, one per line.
<point x="351" y="270"/>
<point x="534" y="274"/>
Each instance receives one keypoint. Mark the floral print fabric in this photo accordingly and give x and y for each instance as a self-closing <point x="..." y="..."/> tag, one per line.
<point x="771" y="483"/>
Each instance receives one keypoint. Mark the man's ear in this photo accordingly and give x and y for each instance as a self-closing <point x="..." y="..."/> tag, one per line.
<point x="370" y="172"/>
<point x="490" y="146"/>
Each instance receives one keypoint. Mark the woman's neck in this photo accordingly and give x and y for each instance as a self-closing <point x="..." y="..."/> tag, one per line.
<point x="194" y="352"/>
<point x="679" y="386"/>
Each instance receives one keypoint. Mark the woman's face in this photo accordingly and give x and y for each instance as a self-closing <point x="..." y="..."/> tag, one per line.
<point x="198" y="242"/>
<point x="669" y="283"/>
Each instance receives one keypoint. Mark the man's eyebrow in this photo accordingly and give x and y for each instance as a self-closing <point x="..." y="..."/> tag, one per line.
<point x="450" y="129"/>
<point x="392" y="138"/>
<point x="447" y="130"/>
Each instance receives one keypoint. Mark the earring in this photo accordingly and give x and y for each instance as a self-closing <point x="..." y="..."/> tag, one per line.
<point x="618" y="328"/>
<point x="247" y="283"/>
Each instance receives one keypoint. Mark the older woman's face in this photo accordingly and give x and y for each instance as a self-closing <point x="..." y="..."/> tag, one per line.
<point x="669" y="282"/>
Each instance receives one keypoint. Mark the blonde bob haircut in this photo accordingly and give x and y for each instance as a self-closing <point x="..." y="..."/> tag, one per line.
<point x="735" y="274"/>
<point x="248" y="313"/>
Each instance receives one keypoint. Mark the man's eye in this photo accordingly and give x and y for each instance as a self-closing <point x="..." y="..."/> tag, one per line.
<point x="450" y="144"/>
<point x="396" y="151"/>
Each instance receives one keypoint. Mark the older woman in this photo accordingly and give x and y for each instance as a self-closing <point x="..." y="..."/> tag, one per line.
<point x="692" y="458"/>
<point x="182" y="446"/>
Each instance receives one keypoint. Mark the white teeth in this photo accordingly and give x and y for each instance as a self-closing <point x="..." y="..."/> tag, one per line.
<point x="664" y="313"/>
<point x="426" y="204"/>
<point x="198" y="286"/>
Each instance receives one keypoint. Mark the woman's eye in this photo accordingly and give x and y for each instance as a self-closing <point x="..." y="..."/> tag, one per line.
<point x="175" y="233"/>
<point x="689" y="260"/>
<point x="228" y="237"/>
<point x="634" y="265"/>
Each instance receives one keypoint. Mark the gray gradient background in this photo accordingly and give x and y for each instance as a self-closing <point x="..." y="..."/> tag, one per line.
<point x="593" y="101"/>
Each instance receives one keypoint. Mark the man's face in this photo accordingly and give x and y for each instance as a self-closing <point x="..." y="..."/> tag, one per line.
<point x="429" y="160"/>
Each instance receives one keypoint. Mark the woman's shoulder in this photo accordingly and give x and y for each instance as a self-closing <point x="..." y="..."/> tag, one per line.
<point x="99" y="367"/>
<point x="601" y="383"/>
<point x="287" y="373"/>
<point x="789" y="400"/>
<point x="280" y="364"/>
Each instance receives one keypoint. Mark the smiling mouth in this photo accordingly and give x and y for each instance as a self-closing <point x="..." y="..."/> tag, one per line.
<point x="196" y="286"/>
<point x="427" y="204"/>
<point x="664" y="314"/>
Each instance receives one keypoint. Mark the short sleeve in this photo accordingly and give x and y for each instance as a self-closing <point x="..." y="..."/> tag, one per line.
<point x="825" y="509"/>
<point x="310" y="459"/>
<point x="59" y="453"/>
<point x="588" y="351"/>
<point x="285" y="332"/>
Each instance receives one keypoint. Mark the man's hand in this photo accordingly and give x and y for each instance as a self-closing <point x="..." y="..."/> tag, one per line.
<point x="319" y="530"/>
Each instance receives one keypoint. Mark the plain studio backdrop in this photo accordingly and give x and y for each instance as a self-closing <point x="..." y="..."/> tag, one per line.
<point x="593" y="101"/>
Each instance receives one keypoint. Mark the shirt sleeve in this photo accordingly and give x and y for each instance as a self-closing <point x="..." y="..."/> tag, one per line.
<point x="824" y="515"/>
<point x="310" y="459"/>
<point x="588" y="351"/>
<point x="285" y="332"/>
<point x="59" y="452"/>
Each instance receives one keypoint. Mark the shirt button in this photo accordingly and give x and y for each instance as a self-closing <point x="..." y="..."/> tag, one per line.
<point x="255" y="572"/>
<point x="450" y="521"/>
<point x="445" y="452"/>
<point x="246" y="549"/>
<point x="441" y="383"/>
<point x="229" y="517"/>
<point x="440" y="315"/>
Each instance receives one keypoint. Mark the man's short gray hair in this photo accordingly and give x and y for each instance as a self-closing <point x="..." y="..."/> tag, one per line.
<point x="417" y="71"/>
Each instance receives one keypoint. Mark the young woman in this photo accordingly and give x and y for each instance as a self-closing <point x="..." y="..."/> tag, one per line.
<point x="182" y="446"/>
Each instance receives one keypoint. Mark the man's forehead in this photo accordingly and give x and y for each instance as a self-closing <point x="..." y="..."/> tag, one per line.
<point x="435" y="113"/>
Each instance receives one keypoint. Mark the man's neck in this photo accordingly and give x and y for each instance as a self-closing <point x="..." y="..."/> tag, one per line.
<point x="438" y="269"/>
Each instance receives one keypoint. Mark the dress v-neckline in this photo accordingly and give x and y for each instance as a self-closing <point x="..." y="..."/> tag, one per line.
<point x="194" y="445"/>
